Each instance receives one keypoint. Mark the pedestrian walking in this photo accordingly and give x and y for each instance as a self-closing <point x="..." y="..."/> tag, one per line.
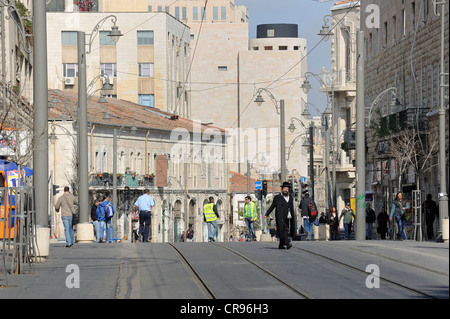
<point x="66" y="203"/>
<point x="399" y="206"/>
<point x="309" y="215"/>
<point x="334" y="224"/>
<point x="95" y="221"/>
<point x="105" y="213"/>
<point x="250" y="216"/>
<point x="272" y="228"/>
<point x="370" y="219"/>
<point x="431" y="211"/>
<point x="283" y="204"/>
<point x="323" y="218"/>
<point x="210" y="215"/>
<point x="190" y="234"/>
<point x="144" y="206"/>
<point x="383" y="220"/>
<point x="348" y="214"/>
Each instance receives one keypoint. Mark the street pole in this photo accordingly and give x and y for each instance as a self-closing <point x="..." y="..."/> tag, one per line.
<point x="311" y="158"/>
<point x="443" y="198"/>
<point x="283" y="141"/>
<point x="360" y="220"/>
<point x="115" y="176"/>
<point x="85" y="231"/>
<point x="40" y="127"/>
<point x="327" y="164"/>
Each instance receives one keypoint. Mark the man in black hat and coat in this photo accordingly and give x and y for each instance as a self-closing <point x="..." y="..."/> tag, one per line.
<point x="284" y="215"/>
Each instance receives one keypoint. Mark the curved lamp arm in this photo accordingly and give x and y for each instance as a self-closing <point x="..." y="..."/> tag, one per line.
<point x="18" y="19"/>
<point x="376" y="102"/>
<point x="259" y="99"/>
<point x="115" y="33"/>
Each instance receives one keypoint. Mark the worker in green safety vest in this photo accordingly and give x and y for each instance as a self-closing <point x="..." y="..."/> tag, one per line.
<point x="250" y="216"/>
<point x="210" y="215"/>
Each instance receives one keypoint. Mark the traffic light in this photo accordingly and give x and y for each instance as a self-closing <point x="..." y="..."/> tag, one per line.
<point x="54" y="190"/>
<point x="258" y="194"/>
<point x="264" y="188"/>
<point x="127" y="193"/>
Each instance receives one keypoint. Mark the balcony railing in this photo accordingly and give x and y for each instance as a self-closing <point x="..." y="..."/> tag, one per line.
<point x="105" y="180"/>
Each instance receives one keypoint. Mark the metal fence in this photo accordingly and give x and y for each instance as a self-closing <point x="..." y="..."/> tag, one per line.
<point x="17" y="231"/>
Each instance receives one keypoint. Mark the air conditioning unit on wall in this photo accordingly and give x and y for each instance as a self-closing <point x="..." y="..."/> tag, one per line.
<point x="69" y="81"/>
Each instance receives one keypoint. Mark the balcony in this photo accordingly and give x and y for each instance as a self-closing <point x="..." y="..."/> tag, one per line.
<point x="105" y="180"/>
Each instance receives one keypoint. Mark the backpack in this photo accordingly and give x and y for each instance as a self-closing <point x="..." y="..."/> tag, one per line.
<point x="109" y="210"/>
<point x="312" y="209"/>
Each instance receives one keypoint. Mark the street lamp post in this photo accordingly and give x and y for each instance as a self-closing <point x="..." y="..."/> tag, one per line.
<point x="306" y="87"/>
<point x="360" y="219"/>
<point x="281" y="111"/>
<point x="443" y="196"/>
<point x="84" y="228"/>
<point x="40" y="127"/>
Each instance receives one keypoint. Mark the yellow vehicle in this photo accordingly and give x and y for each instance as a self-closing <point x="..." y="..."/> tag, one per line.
<point x="9" y="178"/>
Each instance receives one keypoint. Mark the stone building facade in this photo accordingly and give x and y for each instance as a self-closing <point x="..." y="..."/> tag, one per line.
<point x="182" y="162"/>
<point x="403" y="83"/>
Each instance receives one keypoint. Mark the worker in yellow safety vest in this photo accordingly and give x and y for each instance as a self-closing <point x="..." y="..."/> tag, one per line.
<point x="210" y="215"/>
<point x="250" y="216"/>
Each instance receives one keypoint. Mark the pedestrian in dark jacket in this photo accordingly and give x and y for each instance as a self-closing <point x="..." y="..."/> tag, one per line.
<point x="334" y="224"/>
<point x="283" y="204"/>
<point x="370" y="219"/>
<point x="382" y="219"/>
<point x="431" y="210"/>
<point x="95" y="221"/>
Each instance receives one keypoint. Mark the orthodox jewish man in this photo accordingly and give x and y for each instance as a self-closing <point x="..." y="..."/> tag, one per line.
<point x="284" y="215"/>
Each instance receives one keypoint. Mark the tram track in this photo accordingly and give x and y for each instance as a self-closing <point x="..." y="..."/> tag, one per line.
<point x="209" y="294"/>
<point x="301" y="294"/>
<point x="383" y="279"/>
<point x="295" y="288"/>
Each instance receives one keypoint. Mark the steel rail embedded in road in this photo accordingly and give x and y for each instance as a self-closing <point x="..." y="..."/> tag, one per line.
<point x="344" y="265"/>
<point x="268" y="272"/>
<point x="202" y="283"/>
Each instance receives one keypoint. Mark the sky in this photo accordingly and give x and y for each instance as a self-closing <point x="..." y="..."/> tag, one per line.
<point x="308" y="14"/>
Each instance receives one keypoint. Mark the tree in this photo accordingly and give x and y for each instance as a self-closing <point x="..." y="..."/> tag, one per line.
<point x="413" y="148"/>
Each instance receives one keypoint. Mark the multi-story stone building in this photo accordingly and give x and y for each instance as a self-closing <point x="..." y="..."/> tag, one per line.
<point x="16" y="85"/>
<point x="403" y="65"/>
<point x="182" y="162"/>
<point x="206" y="70"/>
<point x="339" y="84"/>
<point x="149" y="65"/>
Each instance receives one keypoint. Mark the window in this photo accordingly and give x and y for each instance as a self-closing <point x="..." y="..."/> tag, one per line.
<point x="184" y="13"/>
<point x="109" y="69"/>
<point x="69" y="38"/>
<point x="56" y="6"/>
<point x="223" y="13"/>
<point x="215" y="13"/>
<point x="146" y="70"/>
<point x="159" y="8"/>
<point x="403" y="26"/>
<point x="195" y="13"/>
<point x="105" y="39"/>
<point x="270" y="33"/>
<point x="223" y="68"/>
<point x="70" y="70"/>
<point x="177" y="12"/>
<point x="394" y="29"/>
<point x="268" y="48"/>
<point x="147" y="100"/>
<point x="385" y="34"/>
<point x="282" y="48"/>
<point x="145" y="37"/>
